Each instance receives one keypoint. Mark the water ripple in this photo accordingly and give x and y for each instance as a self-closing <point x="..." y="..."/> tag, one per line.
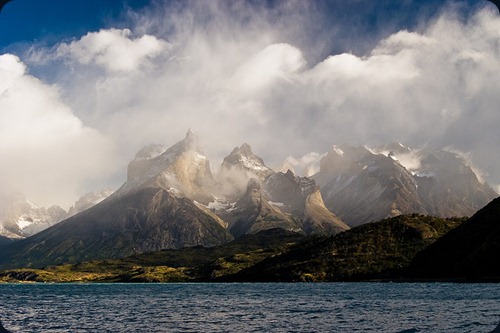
<point x="335" y="307"/>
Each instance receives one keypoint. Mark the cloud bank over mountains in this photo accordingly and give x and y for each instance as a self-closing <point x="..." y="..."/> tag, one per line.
<point x="73" y="114"/>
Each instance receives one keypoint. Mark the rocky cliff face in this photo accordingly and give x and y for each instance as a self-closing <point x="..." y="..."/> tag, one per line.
<point x="301" y="197"/>
<point x="362" y="185"/>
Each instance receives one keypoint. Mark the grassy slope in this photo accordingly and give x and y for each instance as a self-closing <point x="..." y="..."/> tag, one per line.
<point x="188" y="264"/>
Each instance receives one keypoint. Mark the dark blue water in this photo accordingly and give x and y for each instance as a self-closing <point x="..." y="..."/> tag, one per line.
<point x="335" y="307"/>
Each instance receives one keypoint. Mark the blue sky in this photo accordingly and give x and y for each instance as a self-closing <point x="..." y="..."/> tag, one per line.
<point x="52" y="20"/>
<point x="85" y="84"/>
<point x="49" y="21"/>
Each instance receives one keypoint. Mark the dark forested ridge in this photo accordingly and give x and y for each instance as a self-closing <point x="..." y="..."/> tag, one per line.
<point x="469" y="252"/>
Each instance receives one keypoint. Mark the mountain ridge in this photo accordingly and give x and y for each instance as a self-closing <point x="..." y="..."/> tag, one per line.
<point x="171" y="199"/>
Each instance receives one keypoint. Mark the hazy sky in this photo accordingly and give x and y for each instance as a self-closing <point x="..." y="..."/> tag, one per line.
<point x="84" y="84"/>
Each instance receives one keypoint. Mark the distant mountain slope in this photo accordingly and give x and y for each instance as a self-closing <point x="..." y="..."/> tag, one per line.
<point x="20" y="218"/>
<point x="377" y="250"/>
<point x="148" y="219"/>
<point x="471" y="251"/>
<point x="5" y="241"/>
<point x="362" y="185"/>
<point x="89" y="200"/>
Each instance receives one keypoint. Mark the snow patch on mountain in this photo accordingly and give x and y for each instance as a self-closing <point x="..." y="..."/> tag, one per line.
<point x="21" y="218"/>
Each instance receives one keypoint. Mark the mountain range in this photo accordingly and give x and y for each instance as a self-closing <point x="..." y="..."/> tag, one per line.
<point x="171" y="199"/>
<point x="21" y="218"/>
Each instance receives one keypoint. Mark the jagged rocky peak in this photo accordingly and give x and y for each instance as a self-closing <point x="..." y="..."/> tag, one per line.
<point x="243" y="159"/>
<point x="301" y="197"/>
<point x="318" y="219"/>
<point x="182" y="168"/>
<point x="253" y="212"/>
<point x="191" y="143"/>
<point x="153" y="159"/>
<point x="238" y="168"/>
<point x="361" y="186"/>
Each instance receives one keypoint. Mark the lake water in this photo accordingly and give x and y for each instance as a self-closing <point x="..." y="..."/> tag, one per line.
<point x="329" y="307"/>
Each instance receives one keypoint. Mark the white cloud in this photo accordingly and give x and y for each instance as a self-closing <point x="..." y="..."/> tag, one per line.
<point x="306" y="165"/>
<point x="245" y="78"/>
<point x="113" y="49"/>
<point x="46" y="151"/>
<point x="270" y="65"/>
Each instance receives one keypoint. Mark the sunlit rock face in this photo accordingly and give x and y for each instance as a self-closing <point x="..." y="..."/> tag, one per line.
<point x="182" y="168"/>
<point x="363" y="184"/>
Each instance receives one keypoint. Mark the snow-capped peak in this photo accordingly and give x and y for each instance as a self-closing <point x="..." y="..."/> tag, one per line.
<point x="337" y="150"/>
<point x="244" y="159"/>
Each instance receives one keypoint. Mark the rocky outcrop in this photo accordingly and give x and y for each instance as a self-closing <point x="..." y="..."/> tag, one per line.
<point x="271" y="199"/>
